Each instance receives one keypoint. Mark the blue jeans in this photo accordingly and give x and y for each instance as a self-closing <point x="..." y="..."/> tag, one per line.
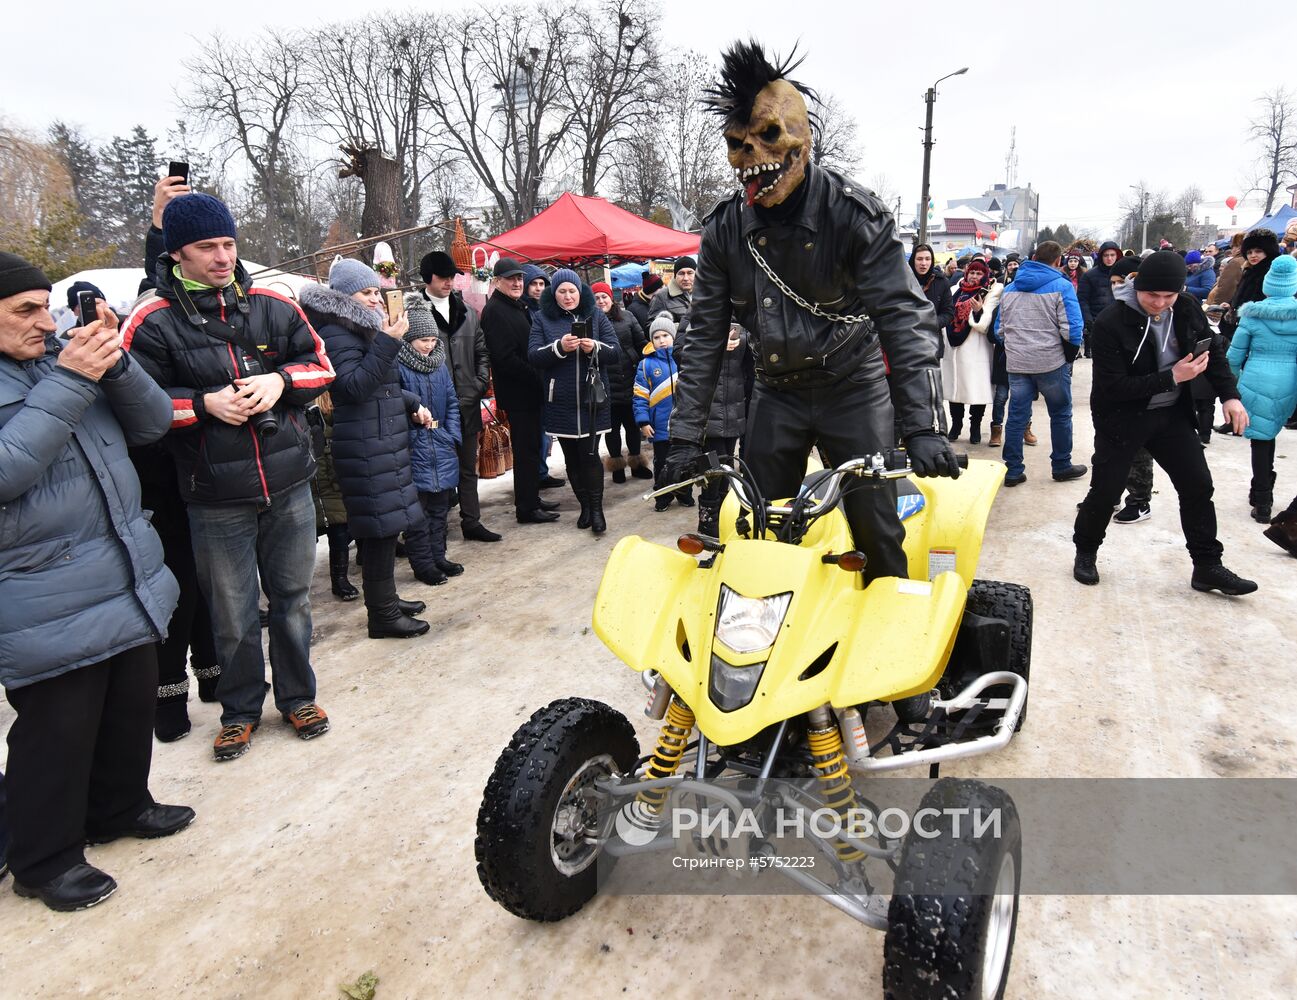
<point x="1056" y="387"/>
<point x="997" y="405"/>
<point x="233" y="544"/>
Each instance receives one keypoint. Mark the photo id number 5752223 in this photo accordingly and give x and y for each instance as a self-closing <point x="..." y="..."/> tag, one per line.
<point x="782" y="861"/>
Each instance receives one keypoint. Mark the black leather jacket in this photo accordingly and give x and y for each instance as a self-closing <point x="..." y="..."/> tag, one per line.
<point x="839" y="250"/>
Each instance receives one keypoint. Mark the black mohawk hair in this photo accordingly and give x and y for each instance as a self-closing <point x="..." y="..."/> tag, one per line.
<point x="745" y="72"/>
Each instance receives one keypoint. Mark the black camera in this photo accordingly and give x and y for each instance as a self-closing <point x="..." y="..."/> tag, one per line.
<point x="264" y="422"/>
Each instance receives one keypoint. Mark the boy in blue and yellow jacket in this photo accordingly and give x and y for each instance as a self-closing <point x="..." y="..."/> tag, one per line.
<point x="655" y="382"/>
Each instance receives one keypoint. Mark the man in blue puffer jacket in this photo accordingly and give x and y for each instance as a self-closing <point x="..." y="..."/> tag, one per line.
<point x="84" y="594"/>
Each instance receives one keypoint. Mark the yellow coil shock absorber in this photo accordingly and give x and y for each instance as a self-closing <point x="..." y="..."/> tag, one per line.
<point x="831" y="768"/>
<point x="670" y="748"/>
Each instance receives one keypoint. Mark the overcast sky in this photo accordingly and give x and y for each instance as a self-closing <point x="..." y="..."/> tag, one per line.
<point x="1160" y="92"/>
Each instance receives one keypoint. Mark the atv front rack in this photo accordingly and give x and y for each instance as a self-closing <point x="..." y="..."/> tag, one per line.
<point x="955" y="727"/>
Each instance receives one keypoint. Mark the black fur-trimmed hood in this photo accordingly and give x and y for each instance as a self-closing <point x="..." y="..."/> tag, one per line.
<point x="584" y="309"/>
<point x="323" y="305"/>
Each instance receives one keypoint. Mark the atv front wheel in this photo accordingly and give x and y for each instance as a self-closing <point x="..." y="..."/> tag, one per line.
<point x="1010" y="603"/>
<point x="540" y="809"/>
<point x="954" y="908"/>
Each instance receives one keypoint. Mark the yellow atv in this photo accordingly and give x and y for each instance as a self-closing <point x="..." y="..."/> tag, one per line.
<point x="765" y="654"/>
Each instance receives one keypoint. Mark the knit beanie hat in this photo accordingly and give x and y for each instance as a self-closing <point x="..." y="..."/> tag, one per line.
<point x="565" y="274"/>
<point x="418" y="311"/>
<point x="1127" y="266"/>
<point x="18" y="275"/>
<point x="194" y="217"/>
<point x="77" y="287"/>
<point x="662" y="321"/>
<point x="602" y="286"/>
<point x="685" y="262"/>
<point x="350" y="276"/>
<point x="1193" y="257"/>
<point x="1281" y="280"/>
<point x="1262" y="239"/>
<point x="1163" y="271"/>
<point x="651" y="283"/>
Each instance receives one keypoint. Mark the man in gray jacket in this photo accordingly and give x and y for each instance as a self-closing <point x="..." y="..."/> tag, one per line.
<point x="84" y="594"/>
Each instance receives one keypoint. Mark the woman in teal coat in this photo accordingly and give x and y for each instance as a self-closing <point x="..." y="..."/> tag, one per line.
<point x="1264" y="350"/>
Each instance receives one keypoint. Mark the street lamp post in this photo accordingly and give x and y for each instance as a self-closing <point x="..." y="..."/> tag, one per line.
<point x="930" y="98"/>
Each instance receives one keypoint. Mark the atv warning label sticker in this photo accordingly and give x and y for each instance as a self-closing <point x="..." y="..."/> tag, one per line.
<point x="940" y="561"/>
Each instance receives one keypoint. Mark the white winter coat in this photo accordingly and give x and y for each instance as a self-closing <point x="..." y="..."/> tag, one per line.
<point x="966" y="369"/>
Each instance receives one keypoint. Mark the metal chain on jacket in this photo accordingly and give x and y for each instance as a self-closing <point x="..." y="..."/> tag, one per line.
<point x="810" y="307"/>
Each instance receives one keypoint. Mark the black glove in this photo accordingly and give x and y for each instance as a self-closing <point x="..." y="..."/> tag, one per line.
<point x="931" y="455"/>
<point x="684" y="461"/>
<point x="1070" y="351"/>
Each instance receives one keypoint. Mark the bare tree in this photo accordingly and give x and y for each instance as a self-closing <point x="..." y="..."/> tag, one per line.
<point x="1274" y="132"/>
<point x="640" y="174"/>
<point x="1184" y="205"/>
<point x="834" y="136"/>
<point x="886" y="191"/>
<point x="496" y="90"/>
<point x="368" y="94"/>
<point x="692" y="144"/>
<point x="248" y="98"/>
<point x="605" y="83"/>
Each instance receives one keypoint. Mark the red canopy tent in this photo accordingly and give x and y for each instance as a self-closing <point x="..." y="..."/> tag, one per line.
<point x="583" y="231"/>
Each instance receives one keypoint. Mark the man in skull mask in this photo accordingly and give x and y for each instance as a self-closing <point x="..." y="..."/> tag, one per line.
<point x="808" y="262"/>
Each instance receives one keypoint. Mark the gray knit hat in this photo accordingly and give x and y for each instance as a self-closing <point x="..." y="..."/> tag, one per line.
<point x="351" y="276"/>
<point x="662" y="321"/>
<point x="418" y="311"/>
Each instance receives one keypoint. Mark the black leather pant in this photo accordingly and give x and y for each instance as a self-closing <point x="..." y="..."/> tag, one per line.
<point x="850" y="418"/>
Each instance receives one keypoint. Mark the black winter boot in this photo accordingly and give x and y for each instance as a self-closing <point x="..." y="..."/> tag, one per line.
<point x="639" y="468"/>
<point x="386" y="619"/>
<point x="171" y="720"/>
<point x="208" y="678"/>
<point x="1084" y="569"/>
<point x="421" y="551"/>
<point x="708" y="521"/>
<point x="583" y="498"/>
<point x="339" y="540"/>
<point x="597" y="522"/>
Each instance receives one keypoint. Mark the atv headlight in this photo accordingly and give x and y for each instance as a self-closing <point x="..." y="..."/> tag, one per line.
<point x="750" y="624"/>
<point x="733" y="687"/>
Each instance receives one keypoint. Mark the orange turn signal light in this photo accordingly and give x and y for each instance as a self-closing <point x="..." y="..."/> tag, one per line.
<point x="690" y="544"/>
<point x="852" y="562"/>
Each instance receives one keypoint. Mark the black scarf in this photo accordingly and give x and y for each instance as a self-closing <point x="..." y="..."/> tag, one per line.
<point x="1250" y="284"/>
<point x="417" y="362"/>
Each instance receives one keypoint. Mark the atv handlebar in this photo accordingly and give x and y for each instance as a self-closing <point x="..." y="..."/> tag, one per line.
<point x="893" y="463"/>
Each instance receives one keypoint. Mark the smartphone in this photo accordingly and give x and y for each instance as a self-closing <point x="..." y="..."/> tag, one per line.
<point x="1202" y="347"/>
<point x="395" y="304"/>
<point x="86" y="306"/>
<point x="178" y="168"/>
<point x="580" y="328"/>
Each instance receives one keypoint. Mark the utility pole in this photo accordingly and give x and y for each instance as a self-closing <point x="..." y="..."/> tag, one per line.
<point x="898" y="213"/>
<point x="930" y="98"/>
<point x="1143" y="213"/>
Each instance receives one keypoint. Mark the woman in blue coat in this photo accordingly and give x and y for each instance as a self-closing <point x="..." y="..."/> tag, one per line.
<point x="575" y="373"/>
<point x="1263" y="354"/>
<point x="372" y="415"/>
<point x="434" y="454"/>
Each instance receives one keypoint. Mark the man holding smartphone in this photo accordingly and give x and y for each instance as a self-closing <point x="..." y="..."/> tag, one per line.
<point x="84" y="595"/>
<point x="248" y="491"/>
<point x="1147" y="345"/>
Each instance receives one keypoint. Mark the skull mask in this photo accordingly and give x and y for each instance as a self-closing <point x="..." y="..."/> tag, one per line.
<point x="770" y="150"/>
<point x="767" y="126"/>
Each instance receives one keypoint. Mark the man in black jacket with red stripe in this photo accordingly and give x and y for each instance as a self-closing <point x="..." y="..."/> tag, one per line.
<point x="240" y="365"/>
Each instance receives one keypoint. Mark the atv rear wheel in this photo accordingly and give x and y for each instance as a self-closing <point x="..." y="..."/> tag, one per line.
<point x="540" y="808"/>
<point x="954" y="910"/>
<point x="1011" y="603"/>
